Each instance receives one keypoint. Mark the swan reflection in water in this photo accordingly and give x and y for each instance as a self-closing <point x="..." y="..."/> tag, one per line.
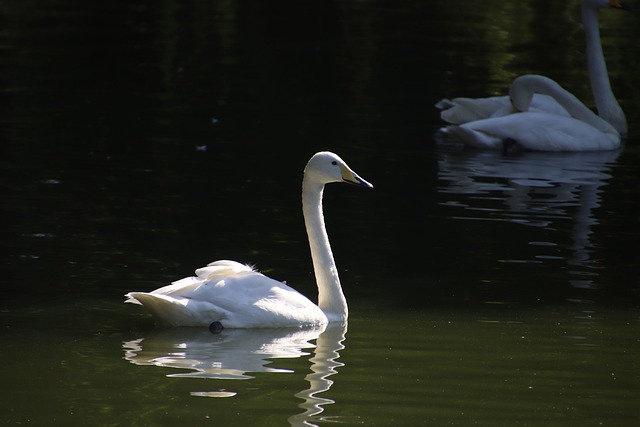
<point x="535" y="189"/>
<point x="235" y="353"/>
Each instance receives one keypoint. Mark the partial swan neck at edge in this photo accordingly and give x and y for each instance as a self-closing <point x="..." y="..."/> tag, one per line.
<point x="528" y="84"/>
<point x="606" y="103"/>
<point x="331" y="299"/>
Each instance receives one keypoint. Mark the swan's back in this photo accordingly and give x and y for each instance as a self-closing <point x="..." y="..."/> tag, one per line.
<point x="233" y="294"/>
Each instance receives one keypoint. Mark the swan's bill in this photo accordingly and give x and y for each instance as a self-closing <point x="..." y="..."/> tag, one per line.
<point x="351" y="177"/>
<point x="618" y="4"/>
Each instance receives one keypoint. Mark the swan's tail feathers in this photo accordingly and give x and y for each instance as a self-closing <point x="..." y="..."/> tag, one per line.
<point x="131" y="299"/>
<point x="179" y="287"/>
<point x="143" y="298"/>
<point x="465" y="110"/>
<point x="444" y="103"/>
<point x="177" y="311"/>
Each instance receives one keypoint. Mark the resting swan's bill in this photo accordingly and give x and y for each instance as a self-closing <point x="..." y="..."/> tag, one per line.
<point x="539" y="131"/>
<point x="227" y="294"/>
<point x="463" y="110"/>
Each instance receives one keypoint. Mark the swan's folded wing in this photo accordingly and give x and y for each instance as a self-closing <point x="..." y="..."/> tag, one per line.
<point x="180" y="287"/>
<point x="213" y="272"/>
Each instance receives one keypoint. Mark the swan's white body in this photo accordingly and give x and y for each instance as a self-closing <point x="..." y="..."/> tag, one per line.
<point x="464" y="110"/>
<point x="539" y="131"/>
<point x="237" y="296"/>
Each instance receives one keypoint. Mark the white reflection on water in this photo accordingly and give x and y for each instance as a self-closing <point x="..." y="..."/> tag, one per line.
<point x="535" y="189"/>
<point x="324" y="364"/>
<point x="234" y="353"/>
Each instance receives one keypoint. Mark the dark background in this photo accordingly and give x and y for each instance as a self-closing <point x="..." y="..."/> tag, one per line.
<point x="141" y="141"/>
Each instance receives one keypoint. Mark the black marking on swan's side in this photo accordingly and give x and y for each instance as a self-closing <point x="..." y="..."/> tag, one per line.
<point x="216" y="327"/>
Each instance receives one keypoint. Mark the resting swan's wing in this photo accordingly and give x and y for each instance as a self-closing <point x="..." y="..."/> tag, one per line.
<point x="465" y="110"/>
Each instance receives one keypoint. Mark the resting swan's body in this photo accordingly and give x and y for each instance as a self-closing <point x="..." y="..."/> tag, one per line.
<point x="539" y="131"/>
<point x="233" y="295"/>
<point x="464" y="110"/>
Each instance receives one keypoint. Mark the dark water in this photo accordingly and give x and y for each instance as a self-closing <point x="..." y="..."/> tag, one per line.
<point x="141" y="141"/>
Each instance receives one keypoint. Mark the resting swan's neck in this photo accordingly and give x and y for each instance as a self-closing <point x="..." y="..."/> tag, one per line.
<point x="331" y="300"/>
<point x="606" y="102"/>
<point x="523" y="87"/>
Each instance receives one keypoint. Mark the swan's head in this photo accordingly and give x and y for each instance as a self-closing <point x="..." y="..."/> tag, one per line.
<point x="326" y="167"/>
<point x="523" y="87"/>
<point x="521" y="94"/>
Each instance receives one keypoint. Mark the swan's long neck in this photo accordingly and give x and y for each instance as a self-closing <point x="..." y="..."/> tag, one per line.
<point x="522" y="90"/>
<point x="331" y="300"/>
<point x="573" y="105"/>
<point x="606" y="103"/>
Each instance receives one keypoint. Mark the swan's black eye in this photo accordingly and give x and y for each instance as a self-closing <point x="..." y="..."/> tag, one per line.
<point x="334" y="163"/>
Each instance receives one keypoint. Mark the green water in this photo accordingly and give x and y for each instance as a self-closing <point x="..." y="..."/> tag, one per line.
<point x="490" y="365"/>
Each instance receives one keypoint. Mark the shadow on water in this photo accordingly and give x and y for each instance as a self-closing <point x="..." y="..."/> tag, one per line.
<point x="236" y="353"/>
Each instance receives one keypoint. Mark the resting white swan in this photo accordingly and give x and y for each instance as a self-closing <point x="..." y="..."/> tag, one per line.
<point x="227" y="294"/>
<point x="463" y="110"/>
<point x="539" y="131"/>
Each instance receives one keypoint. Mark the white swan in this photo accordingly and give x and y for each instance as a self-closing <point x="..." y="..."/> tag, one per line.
<point x="463" y="110"/>
<point x="227" y="294"/>
<point x="539" y="131"/>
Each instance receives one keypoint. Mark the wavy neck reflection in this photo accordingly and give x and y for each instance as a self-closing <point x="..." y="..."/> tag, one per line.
<point x="324" y="364"/>
<point x="534" y="189"/>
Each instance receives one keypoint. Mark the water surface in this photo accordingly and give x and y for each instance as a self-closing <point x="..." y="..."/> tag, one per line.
<point x="140" y="142"/>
